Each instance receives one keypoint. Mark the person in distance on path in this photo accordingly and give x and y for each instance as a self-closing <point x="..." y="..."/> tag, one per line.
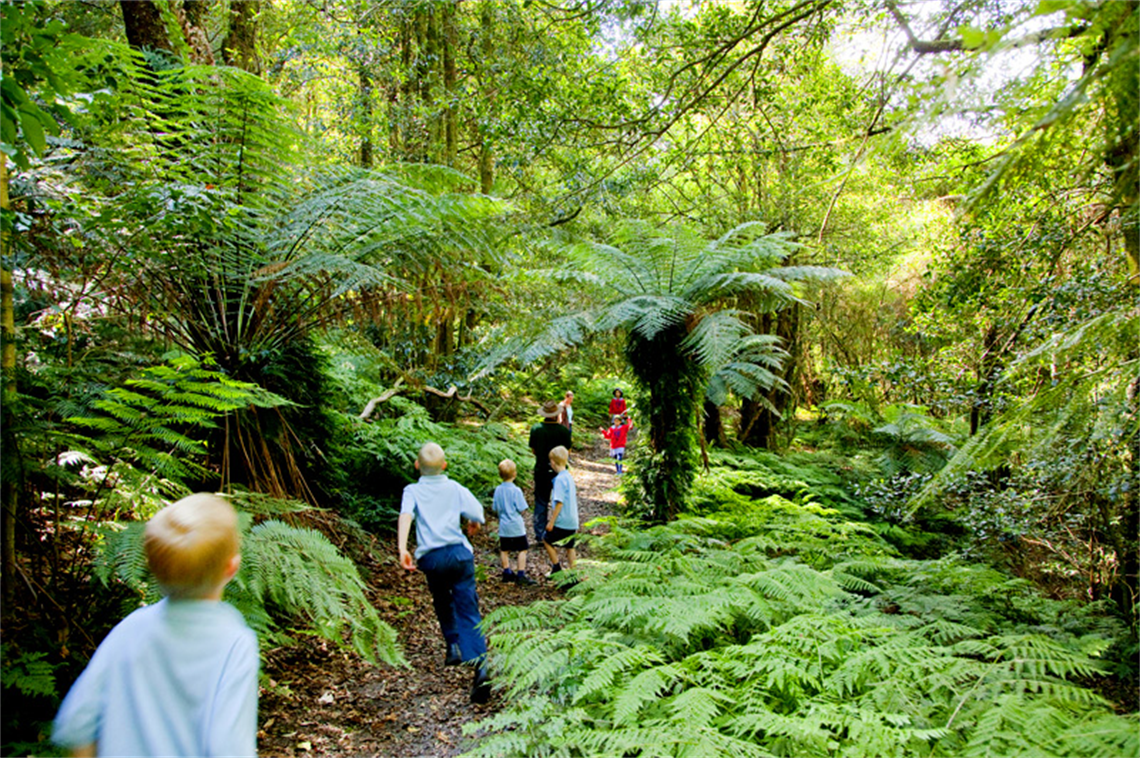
<point x="544" y="437"/>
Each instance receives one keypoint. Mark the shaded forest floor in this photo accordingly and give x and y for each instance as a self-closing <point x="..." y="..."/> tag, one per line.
<point x="323" y="701"/>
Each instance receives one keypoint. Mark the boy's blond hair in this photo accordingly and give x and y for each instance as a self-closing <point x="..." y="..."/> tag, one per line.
<point x="190" y="545"/>
<point x="559" y="455"/>
<point x="507" y="470"/>
<point x="431" y="459"/>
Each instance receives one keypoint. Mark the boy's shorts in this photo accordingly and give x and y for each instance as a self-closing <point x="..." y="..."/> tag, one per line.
<point x="617" y="452"/>
<point x="557" y="534"/>
<point x="513" y="544"/>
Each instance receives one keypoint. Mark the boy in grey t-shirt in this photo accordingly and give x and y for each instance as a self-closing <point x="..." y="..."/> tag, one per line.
<point x="563" y="520"/>
<point x="509" y="504"/>
<point x="436" y="504"/>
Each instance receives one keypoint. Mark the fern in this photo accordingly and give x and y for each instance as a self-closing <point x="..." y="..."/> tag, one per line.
<point x="685" y="643"/>
<point x="288" y="574"/>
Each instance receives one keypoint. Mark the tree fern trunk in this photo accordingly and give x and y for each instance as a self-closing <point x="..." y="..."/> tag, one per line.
<point x="674" y="383"/>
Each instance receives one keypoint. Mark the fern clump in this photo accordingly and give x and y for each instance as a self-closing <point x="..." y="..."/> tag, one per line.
<point x="793" y="633"/>
<point x="290" y="578"/>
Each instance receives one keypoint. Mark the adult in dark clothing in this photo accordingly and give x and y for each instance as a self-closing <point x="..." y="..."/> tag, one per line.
<point x="544" y="437"/>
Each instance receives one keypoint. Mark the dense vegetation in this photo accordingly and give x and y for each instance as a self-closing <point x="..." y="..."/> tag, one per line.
<point x="868" y="269"/>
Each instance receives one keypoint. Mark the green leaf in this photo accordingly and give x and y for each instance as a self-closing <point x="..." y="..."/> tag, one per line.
<point x="972" y="38"/>
<point x="33" y="130"/>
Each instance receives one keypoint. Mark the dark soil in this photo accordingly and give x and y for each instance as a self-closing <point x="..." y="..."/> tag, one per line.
<point x="324" y="701"/>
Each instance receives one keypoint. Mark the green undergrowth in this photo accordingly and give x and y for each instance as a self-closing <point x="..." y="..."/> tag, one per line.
<point x="772" y="626"/>
<point x="293" y="581"/>
<point x="378" y="459"/>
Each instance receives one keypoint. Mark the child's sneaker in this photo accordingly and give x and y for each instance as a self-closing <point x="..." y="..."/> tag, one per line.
<point x="524" y="580"/>
<point x="508" y="576"/>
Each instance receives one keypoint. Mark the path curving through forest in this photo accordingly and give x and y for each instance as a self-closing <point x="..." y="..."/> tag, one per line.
<point x="323" y="701"/>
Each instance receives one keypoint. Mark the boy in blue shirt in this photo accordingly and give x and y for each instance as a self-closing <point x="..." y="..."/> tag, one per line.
<point x="509" y="504"/>
<point x="563" y="521"/>
<point x="446" y="558"/>
<point x="177" y="678"/>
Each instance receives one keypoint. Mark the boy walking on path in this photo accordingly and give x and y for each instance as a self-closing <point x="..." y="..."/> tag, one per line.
<point x="177" y="678"/>
<point x="544" y="437"/>
<point x="509" y="504"/>
<point x="617" y="435"/>
<point x="563" y="521"/>
<point x="436" y="504"/>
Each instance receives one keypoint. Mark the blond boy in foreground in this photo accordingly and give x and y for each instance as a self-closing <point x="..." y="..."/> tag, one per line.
<point x="177" y="678"/>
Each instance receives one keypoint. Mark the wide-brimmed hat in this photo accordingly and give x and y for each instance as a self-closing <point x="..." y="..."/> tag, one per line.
<point x="550" y="409"/>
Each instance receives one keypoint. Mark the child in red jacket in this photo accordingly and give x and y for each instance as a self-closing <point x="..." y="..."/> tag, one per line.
<point x="617" y="405"/>
<point x="617" y="435"/>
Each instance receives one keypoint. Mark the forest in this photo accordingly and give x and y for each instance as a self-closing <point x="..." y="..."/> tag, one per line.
<point x="866" y="271"/>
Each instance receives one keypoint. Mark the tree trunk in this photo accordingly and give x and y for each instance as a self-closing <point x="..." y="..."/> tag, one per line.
<point x="145" y="28"/>
<point x="240" y="48"/>
<point x="1126" y="592"/>
<point x="365" y="117"/>
<point x="8" y="487"/>
<point x="714" y="425"/>
<point x="757" y="420"/>
<point x="487" y="47"/>
<point x="450" y="79"/>
<point x="982" y="410"/>
<point x="194" y="23"/>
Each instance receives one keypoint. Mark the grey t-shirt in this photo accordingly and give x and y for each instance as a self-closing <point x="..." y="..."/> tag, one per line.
<point x="436" y="503"/>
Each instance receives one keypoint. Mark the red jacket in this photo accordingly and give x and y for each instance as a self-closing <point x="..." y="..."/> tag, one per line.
<point x="617" y="435"/>
<point x="617" y="406"/>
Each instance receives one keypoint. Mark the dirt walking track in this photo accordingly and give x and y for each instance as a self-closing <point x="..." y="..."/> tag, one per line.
<point x="325" y="702"/>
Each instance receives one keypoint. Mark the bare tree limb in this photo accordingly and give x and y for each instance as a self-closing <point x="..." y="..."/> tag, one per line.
<point x="453" y="392"/>
<point x="388" y="394"/>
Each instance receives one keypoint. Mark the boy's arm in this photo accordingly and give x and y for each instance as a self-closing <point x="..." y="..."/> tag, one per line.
<point x="76" y="726"/>
<point x="403" y="528"/>
<point x="553" y="515"/>
<point x="469" y="506"/>
<point x="233" y="714"/>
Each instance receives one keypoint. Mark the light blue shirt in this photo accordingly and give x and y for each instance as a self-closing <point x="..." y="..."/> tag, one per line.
<point x="565" y="492"/>
<point x="509" y="503"/>
<point x="436" y="503"/>
<point x="177" y="678"/>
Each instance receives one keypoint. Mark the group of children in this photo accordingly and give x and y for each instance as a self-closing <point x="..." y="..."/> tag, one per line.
<point x="618" y="432"/>
<point x="180" y="677"/>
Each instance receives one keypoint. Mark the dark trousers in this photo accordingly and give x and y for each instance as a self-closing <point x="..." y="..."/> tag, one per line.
<point x="542" y="489"/>
<point x="450" y="574"/>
